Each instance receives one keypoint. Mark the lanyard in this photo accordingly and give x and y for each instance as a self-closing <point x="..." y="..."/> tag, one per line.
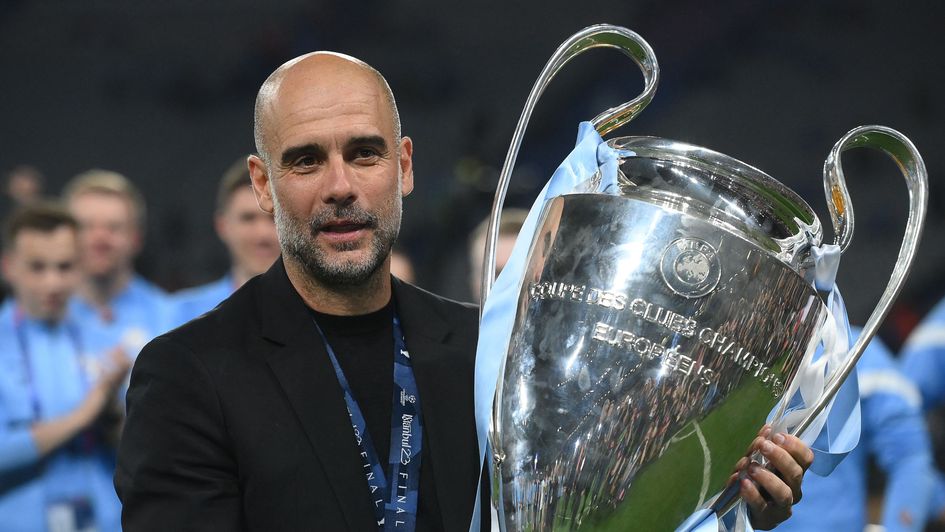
<point x="394" y="494"/>
<point x="18" y="322"/>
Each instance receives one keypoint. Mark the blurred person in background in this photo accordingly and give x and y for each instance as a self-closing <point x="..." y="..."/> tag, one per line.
<point x="510" y="223"/>
<point x="23" y="185"/>
<point x="249" y="234"/>
<point x="55" y="461"/>
<point x="923" y="357"/>
<point x="923" y="362"/>
<point x="894" y="434"/>
<point x="401" y="266"/>
<point x="116" y="306"/>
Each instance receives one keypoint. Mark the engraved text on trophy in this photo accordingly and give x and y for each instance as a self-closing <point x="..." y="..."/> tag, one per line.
<point x="664" y="348"/>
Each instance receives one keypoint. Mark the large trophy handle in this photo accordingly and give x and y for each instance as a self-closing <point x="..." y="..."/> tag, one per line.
<point x="904" y="153"/>
<point x="598" y="36"/>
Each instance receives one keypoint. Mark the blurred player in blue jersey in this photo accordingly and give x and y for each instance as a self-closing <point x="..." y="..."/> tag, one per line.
<point x="923" y="361"/>
<point x="249" y="234"/>
<point x="117" y="307"/>
<point x="923" y="357"/>
<point x="56" y="461"/>
<point x="893" y="432"/>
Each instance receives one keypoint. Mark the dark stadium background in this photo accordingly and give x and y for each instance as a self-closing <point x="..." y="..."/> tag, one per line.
<point x="163" y="92"/>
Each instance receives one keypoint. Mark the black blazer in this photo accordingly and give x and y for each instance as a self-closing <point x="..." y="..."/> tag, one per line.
<point x="237" y="422"/>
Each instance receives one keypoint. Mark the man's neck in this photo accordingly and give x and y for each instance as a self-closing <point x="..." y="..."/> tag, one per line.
<point x="342" y="300"/>
<point x="49" y="320"/>
<point x="101" y="290"/>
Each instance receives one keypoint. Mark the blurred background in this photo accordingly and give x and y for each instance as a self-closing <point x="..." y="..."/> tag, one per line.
<point x="163" y="93"/>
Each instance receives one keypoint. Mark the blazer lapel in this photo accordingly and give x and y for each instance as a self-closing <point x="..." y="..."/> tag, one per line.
<point x="301" y="366"/>
<point x="444" y="376"/>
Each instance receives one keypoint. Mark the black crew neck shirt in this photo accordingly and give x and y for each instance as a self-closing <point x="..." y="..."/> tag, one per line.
<point x="364" y="348"/>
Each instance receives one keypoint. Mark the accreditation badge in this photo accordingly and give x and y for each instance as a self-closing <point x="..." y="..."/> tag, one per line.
<point x="76" y="514"/>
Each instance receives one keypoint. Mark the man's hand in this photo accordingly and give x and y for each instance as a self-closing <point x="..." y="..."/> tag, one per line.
<point x="771" y="491"/>
<point x="50" y="435"/>
<point x="114" y="369"/>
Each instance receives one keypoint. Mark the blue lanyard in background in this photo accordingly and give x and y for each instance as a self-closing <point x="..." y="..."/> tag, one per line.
<point x="395" y="494"/>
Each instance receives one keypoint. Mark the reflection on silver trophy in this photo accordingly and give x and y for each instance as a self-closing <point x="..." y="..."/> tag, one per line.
<point x="656" y="328"/>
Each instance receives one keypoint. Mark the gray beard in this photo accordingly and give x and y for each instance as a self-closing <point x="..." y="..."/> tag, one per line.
<point x="298" y="242"/>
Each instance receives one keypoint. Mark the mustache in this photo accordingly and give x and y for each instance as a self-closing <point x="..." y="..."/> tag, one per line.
<point x="349" y="213"/>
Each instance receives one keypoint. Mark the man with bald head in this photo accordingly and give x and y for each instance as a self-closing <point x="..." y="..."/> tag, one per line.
<point x="324" y="394"/>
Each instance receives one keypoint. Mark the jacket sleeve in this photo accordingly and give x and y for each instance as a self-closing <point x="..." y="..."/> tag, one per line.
<point x="176" y="469"/>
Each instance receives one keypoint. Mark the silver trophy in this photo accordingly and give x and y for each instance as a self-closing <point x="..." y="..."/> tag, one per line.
<point x="657" y="328"/>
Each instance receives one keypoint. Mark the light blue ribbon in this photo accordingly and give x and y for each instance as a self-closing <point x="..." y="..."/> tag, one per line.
<point x="591" y="158"/>
<point x="840" y="432"/>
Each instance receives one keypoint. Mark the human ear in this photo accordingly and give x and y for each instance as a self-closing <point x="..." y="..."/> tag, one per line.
<point x="259" y="176"/>
<point x="406" y="165"/>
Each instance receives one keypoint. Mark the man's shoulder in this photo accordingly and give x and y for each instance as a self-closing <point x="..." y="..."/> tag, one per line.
<point x="229" y="325"/>
<point x="937" y="314"/>
<point x="437" y="318"/>
<point x="140" y="288"/>
<point x="928" y="338"/>
<point x="444" y="307"/>
<point x="192" y="302"/>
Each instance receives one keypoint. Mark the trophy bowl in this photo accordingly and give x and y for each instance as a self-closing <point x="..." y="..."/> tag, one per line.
<point x="658" y="326"/>
<point x="655" y="328"/>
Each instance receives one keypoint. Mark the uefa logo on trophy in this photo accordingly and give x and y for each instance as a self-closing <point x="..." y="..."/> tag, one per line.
<point x="665" y="301"/>
<point x="690" y="267"/>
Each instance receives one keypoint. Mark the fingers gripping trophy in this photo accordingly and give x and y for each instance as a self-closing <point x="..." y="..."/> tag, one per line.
<point x="663" y="302"/>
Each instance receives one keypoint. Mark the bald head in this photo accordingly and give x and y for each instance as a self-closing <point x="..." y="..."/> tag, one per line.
<point x="308" y="70"/>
